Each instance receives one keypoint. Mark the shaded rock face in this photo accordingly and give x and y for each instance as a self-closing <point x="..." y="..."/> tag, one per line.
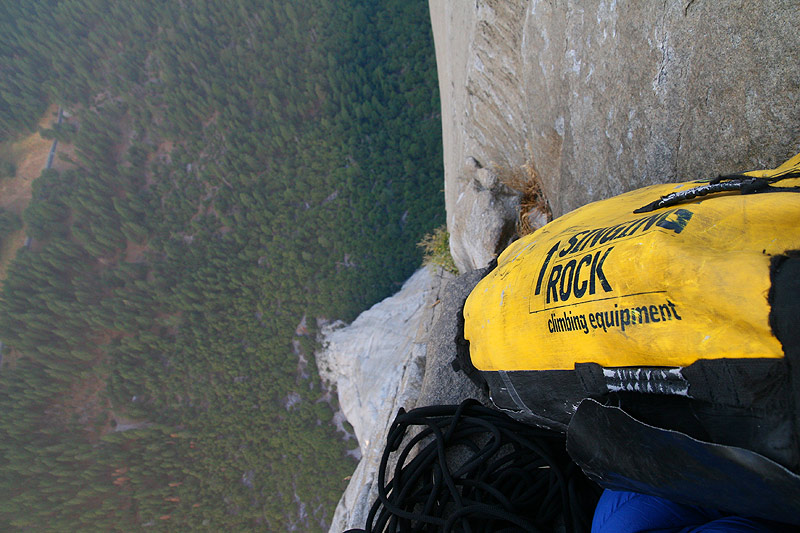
<point x="607" y="96"/>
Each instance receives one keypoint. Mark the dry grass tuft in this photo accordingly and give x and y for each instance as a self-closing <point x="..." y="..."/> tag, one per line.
<point x="525" y="180"/>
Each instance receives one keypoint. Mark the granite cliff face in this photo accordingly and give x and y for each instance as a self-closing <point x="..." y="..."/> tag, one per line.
<point x="377" y="364"/>
<point x="604" y="96"/>
<point x="600" y="97"/>
<point x="396" y="354"/>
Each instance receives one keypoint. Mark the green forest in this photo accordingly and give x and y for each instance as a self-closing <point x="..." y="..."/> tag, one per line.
<point x="237" y="166"/>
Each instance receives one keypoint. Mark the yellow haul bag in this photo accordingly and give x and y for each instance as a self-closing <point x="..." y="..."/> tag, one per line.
<point x="666" y="290"/>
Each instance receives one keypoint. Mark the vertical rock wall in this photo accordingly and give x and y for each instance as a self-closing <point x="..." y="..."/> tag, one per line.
<point x="605" y="96"/>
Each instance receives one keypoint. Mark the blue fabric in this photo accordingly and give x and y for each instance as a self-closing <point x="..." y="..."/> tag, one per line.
<point x="630" y="512"/>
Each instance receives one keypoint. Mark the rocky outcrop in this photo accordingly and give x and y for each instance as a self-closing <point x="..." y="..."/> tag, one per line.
<point x="396" y="354"/>
<point x="377" y="364"/>
<point x="604" y="96"/>
<point x="483" y="220"/>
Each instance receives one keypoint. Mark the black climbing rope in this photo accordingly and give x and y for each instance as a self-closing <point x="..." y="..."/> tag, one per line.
<point x="478" y="470"/>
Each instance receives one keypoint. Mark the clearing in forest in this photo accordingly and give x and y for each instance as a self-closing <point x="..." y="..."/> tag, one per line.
<point x="29" y="156"/>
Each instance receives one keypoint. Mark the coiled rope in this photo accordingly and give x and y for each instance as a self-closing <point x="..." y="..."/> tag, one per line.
<point x="478" y="470"/>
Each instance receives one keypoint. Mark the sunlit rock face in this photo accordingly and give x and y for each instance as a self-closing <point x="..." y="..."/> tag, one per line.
<point x="605" y="96"/>
<point x="377" y="364"/>
<point x="396" y="354"/>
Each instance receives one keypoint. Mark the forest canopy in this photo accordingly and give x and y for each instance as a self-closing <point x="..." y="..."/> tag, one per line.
<point x="243" y="170"/>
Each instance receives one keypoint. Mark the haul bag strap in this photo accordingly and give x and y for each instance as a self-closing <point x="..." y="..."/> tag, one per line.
<point x="621" y="453"/>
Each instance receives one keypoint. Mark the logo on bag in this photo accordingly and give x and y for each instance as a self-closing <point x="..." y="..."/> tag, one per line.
<point x="565" y="278"/>
<point x="564" y="281"/>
